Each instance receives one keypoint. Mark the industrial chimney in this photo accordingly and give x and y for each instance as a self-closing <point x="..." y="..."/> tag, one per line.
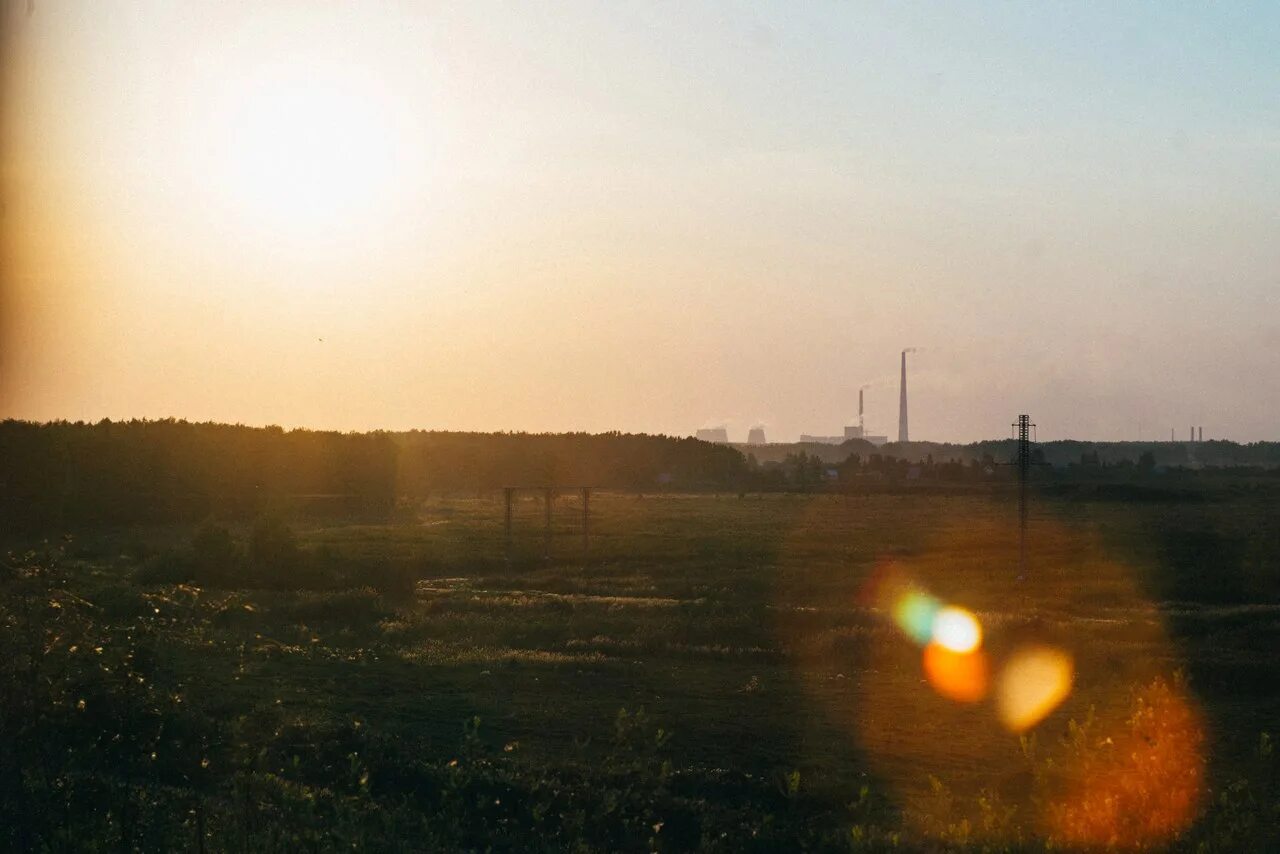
<point x="862" y="429"/>
<point x="902" y="402"/>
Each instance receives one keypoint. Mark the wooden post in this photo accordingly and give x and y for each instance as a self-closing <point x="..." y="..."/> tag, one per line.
<point x="586" y="523"/>
<point x="507" y="496"/>
<point x="546" y="537"/>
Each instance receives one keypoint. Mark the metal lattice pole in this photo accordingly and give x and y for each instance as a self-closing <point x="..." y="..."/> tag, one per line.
<point x="1023" y="426"/>
<point x="586" y="524"/>
<point x="507" y="495"/>
<point x="548" y="495"/>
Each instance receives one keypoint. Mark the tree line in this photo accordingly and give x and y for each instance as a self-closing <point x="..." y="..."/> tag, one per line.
<point x="64" y="475"/>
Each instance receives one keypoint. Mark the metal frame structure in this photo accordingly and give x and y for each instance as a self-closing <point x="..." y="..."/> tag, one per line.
<point x="548" y="496"/>
<point x="1024" y="431"/>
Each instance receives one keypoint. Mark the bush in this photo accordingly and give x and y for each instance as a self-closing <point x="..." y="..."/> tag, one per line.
<point x="218" y="561"/>
<point x="395" y="582"/>
<point x="214" y="559"/>
<point x="213" y="543"/>
<point x="175" y="566"/>
<point x="272" y="544"/>
<point x="353" y="606"/>
<point x="211" y="560"/>
<point x="279" y="564"/>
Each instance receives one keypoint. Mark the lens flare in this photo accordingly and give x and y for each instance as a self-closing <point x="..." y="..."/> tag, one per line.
<point x="957" y="630"/>
<point x="915" y="612"/>
<point x="1124" y="776"/>
<point x="959" y="676"/>
<point x="1135" y="783"/>
<point x="1033" y="683"/>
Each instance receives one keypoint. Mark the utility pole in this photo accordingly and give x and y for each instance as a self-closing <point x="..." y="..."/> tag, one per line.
<point x="508" y="493"/>
<point x="1023" y="462"/>
<point x="548" y="495"/>
<point x="586" y="524"/>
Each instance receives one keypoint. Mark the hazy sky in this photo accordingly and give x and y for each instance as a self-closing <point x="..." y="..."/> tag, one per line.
<point x="645" y="217"/>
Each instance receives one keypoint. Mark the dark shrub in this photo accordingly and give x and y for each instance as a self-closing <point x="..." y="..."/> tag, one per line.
<point x="395" y="581"/>
<point x="218" y="560"/>
<point x="349" y="607"/>
<point x="212" y="560"/>
<point x="272" y="544"/>
<point x="175" y="566"/>
<point x="279" y="564"/>
<point x="214" y="543"/>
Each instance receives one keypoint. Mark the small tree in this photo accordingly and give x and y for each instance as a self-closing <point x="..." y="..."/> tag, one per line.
<point x="215" y="557"/>
<point x="273" y="547"/>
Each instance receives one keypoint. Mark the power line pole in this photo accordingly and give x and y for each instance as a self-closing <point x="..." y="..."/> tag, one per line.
<point x="548" y="495"/>
<point x="508" y="494"/>
<point x="586" y="524"/>
<point x="1023" y="462"/>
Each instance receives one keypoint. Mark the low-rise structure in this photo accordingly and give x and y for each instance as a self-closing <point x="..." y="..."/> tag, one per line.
<point x="821" y="440"/>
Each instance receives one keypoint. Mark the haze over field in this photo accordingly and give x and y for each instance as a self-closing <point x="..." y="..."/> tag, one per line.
<point x="470" y="216"/>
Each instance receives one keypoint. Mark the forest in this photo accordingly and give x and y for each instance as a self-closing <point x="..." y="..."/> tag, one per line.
<point x="63" y="475"/>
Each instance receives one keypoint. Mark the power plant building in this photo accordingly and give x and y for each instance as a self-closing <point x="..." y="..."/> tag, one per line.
<point x="856" y="431"/>
<point x="719" y="435"/>
<point x="755" y="436"/>
<point x="821" y="440"/>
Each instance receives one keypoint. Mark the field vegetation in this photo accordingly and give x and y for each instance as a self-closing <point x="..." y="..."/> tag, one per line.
<point x="710" y="674"/>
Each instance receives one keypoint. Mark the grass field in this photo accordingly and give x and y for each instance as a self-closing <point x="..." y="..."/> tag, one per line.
<point x="499" y="704"/>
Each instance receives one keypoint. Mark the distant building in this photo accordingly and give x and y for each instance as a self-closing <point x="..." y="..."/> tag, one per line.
<point x="719" y="435"/>
<point x="756" y="436"/>
<point x="821" y="440"/>
<point x="840" y="440"/>
<point x="855" y="432"/>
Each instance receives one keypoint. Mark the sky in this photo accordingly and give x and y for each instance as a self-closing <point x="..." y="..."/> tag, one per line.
<point x="644" y="217"/>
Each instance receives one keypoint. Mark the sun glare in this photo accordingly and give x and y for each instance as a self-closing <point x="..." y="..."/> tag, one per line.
<point x="957" y="630"/>
<point x="306" y="155"/>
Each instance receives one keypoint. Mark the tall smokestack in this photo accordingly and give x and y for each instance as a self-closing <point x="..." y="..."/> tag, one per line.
<point x="1200" y="435"/>
<point x="902" y="402"/>
<point x="861" y="428"/>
